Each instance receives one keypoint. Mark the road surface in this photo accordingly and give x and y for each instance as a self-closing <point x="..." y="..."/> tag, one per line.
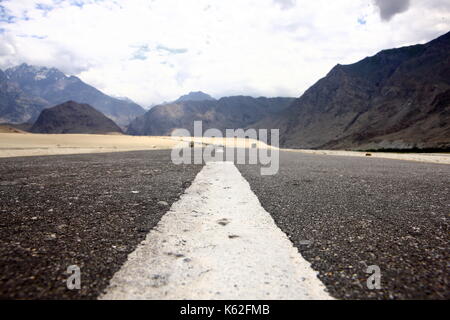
<point x="86" y="210"/>
<point x="358" y="212"/>
<point x="342" y="214"/>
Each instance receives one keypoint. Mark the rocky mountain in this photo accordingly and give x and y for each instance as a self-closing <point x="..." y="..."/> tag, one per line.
<point x="195" y="96"/>
<point x="15" y="105"/>
<point x="73" y="117"/>
<point x="29" y="89"/>
<point x="225" y="113"/>
<point x="397" y="99"/>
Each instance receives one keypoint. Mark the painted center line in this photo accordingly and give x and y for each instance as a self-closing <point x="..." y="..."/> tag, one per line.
<point x="216" y="242"/>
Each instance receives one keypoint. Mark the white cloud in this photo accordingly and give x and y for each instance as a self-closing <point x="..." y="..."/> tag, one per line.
<point x="285" y="4"/>
<point x="154" y="51"/>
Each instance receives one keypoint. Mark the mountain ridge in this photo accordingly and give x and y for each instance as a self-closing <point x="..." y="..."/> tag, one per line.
<point x="396" y="99"/>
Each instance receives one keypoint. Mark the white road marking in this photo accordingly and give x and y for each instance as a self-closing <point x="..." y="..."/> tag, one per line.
<point x="216" y="242"/>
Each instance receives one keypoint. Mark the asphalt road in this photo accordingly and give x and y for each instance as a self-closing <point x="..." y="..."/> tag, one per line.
<point x="86" y="210"/>
<point x="342" y="213"/>
<point x="347" y="213"/>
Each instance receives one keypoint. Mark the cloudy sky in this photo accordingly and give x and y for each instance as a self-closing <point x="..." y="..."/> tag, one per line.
<point x="156" y="50"/>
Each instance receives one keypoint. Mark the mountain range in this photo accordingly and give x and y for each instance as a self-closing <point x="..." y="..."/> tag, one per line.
<point x="26" y="90"/>
<point x="225" y="113"/>
<point x="397" y="99"/>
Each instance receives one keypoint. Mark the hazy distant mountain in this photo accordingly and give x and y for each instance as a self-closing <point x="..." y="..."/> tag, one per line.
<point x="72" y="117"/>
<point x="194" y="96"/>
<point x="15" y="105"/>
<point x="4" y="128"/>
<point x="191" y="96"/>
<point x="24" y="126"/>
<point x="46" y="87"/>
<point x="225" y="113"/>
<point x="123" y="98"/>
<point x="399" y="98"/>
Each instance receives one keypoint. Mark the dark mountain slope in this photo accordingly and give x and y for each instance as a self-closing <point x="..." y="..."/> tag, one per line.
<point x="72" y="117"/>
<point x="225" y="113"/>
<point x="398" y="98"/>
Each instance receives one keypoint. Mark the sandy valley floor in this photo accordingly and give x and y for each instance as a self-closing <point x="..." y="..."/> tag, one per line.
<point x="26" y="144"/>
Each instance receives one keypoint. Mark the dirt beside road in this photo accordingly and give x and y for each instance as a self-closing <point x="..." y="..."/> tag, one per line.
<point x="420" y="157"/>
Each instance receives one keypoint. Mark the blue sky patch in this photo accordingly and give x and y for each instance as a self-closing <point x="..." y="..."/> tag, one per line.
<point x="172" y="50"/>
<point x="141" y="53"/>
<point x="5" y="17"/>
<point x="44" y="7"/>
